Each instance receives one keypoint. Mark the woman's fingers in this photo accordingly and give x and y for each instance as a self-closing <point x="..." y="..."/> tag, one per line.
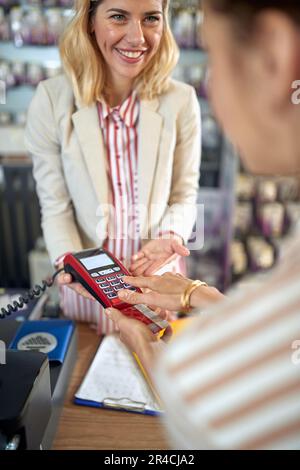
<point x="134" y="298"/>
<point x="153" y="268"/>
<point x="156" y="265"/>
<point x="138" y="256"/>
<point x="141" y="270"/>
<point x="114" y="314"/>
<point x="168" y="283"/>
<point x="151" y="298"/>
<point x="180" y="249"/>
<point x="141" y="281"/>
<point x="81" y="290"/>
<point x="159" y="255"/>
<point x="64" y="278"/>
<point x="138" y="264"/>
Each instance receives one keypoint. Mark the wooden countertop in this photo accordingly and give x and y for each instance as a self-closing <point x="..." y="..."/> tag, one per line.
<point x="82" y="427"/>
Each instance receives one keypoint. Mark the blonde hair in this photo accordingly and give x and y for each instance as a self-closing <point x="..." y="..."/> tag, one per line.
<point x="85" y="66"/>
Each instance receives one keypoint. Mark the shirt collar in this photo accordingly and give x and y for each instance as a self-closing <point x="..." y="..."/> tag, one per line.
<point x="128" y="111"/>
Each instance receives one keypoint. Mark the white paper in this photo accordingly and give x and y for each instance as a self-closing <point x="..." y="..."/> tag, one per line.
<point x="115" y="379"/>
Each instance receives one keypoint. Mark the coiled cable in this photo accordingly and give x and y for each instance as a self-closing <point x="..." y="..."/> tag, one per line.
<point x="30" y="295"/>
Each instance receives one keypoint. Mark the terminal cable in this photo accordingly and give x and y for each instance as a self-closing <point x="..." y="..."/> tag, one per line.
<point x="30" y="295"/>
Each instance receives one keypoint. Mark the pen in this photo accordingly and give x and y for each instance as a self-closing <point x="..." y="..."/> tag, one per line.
<point x="147" y="379"/>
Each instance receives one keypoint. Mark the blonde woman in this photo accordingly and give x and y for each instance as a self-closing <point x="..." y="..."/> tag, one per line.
<point x="115" y="144"/>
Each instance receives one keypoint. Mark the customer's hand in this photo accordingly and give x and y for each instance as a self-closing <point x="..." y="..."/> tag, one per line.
<point x="160" y="291"/>
<point x="156" y="254"/>
<point x="165" y="292"/>
<point x="132" y="332"/>
<point x="138" y="337"/>
<point x="66" y="279"/>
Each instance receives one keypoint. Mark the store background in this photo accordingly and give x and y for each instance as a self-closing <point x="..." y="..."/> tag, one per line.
<point x="245" y="216"/>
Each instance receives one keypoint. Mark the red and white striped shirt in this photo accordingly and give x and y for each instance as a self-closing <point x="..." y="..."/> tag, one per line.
<point x="120" y="135"/>
<point x="119" y="127"/>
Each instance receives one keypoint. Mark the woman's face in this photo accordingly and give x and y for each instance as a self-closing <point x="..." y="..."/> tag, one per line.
<point x="128" y="33"/>
<point x="250" y="89"/>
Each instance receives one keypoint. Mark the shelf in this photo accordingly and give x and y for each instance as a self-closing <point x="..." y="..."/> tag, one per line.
<point x="18" y="99"/>
<point x="12" y="141"/>
<point x="42" y="55"/>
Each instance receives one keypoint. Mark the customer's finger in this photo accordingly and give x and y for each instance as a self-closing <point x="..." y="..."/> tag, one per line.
<point x="114" y="314"/>
<point x="169" y="302"/>
<point x="133" y="298"/>
<point x="149" y="282"/>
<point x="159" y="311"/>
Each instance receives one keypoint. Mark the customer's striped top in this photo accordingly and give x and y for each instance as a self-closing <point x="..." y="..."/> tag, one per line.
<point x="232" y="380"/>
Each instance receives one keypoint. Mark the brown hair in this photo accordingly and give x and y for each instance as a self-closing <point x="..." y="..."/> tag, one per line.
<point x="243" y="12"/>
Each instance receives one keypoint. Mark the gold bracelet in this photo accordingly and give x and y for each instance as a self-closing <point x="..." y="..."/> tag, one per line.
<point x="186" y="296"/>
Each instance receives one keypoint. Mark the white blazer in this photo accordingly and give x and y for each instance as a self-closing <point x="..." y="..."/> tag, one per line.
<point x="70" y="164"/>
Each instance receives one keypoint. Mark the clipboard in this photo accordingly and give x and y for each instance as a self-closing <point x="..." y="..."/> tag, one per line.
<point x="115" y="381"/>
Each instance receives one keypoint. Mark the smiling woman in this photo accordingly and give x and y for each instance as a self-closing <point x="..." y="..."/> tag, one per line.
<point x="116" y="148"/>
<point x="121" y="33"/>
<point x="128" y="38"/>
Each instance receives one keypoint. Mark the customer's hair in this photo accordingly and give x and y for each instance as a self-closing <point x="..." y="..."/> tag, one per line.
<point x="85" y="66"/>
<point x="244" y="12"/>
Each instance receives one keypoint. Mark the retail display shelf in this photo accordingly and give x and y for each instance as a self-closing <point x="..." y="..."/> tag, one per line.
<point x="42" y="55"/>
<point x="12" y="141"/>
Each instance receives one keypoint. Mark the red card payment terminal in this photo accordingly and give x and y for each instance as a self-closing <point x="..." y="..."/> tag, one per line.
<point x="102" y="276"/>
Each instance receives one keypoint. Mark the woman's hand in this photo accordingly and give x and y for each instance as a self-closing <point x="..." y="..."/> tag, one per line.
<point x="132" y="332"/>
<point x="138" y="337"/>
<point x="161" y="291"/>
<point x="165" y="292"/>
<point x="156" y="254"/>
<point x="65" y="279"/>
